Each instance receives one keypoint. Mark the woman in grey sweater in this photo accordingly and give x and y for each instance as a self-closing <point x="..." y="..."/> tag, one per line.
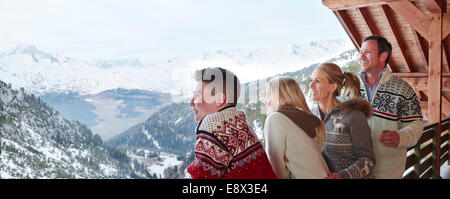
<point x="348" y="148"/>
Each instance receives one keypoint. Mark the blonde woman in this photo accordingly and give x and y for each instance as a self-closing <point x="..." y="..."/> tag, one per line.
<point x="348" y="148"/>
<point x="293" y="134"/>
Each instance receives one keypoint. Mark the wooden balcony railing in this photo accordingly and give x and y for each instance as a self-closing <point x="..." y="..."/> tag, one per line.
<point x="421" y="159"/>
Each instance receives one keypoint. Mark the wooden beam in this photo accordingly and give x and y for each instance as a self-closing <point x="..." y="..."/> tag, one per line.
<point x="445" y="25"/>
<point x="418" y="94"/>
<point x="348" y="26"/>
<point x="445" y="106"/>
<point x="421" y="83"/>
<point x="364" y="14"/>
<point x="388" y="15"/>
<point x="416" y="18"/>
<point x="423" y="47"/>
<point x="434" y="6"/>
<point x="435" y="68"/>
<point x="350" y="4"/>
<point x="423" y="96"/>
<point x="445" y="58"/>
<point x="417" y="74"/>
<point x="445" y="84"/>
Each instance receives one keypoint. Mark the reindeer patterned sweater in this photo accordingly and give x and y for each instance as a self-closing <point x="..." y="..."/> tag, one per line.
<point x="348" y="149"/>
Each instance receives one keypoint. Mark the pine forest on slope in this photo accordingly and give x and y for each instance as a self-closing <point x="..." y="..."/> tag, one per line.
<point x="37" y="142"/>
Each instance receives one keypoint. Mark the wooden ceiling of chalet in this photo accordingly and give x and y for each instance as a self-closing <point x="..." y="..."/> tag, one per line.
<point x="409" y="38"/>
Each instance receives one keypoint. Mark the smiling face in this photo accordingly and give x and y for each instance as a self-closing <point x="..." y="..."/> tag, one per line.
<point x="320" y="88"/>
<point x="369" y="58"/>
<point x="203" y="103"/>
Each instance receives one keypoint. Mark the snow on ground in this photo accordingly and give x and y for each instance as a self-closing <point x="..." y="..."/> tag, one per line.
<point x="150" y="137"/>
<point x="178" y="120"/>
<point x="167" y="160"/>
<point x="258" y="129"/>
<point x="108" y="170"/>
<point x="157" y="165"/>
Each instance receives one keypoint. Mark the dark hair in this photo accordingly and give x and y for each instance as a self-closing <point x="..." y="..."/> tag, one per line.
<point x="383" y="46"/>
<point x="208" y="75"/>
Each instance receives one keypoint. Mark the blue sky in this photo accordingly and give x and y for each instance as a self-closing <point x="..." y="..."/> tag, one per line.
<point x="155" y="30"/>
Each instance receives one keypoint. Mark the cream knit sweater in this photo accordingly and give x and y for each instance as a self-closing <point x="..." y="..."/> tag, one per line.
<point x="395" y="107"/>
<point x="284" y="139"/>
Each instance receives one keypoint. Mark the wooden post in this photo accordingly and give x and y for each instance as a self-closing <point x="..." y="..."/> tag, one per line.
<point x="435" y="80"/>
<point x="417" y="161"/>
<point x="436" y="153"/>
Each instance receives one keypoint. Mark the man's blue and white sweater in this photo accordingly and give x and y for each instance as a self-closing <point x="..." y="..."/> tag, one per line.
<point x="395" y="107"/>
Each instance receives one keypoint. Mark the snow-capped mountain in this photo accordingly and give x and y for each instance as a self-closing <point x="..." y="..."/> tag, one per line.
<point x="41" y="72"/>
<point x="92" y="93"/>
<point x="37" y="142"/>
<point x="253" y="64"/>
<point x="74" y="87"/>
<point x="119" y="62"/>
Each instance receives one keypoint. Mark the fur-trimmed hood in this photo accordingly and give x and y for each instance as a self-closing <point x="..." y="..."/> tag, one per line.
<point x="357" y="104"/>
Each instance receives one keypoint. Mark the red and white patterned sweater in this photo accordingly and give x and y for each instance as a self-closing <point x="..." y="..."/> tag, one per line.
<point x="227" y="147"/>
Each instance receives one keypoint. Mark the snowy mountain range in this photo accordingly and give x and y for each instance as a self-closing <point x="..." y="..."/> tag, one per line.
<point x="75" y="87"/>
<point x="37" y="142"/>
<point x="40" y="72"/>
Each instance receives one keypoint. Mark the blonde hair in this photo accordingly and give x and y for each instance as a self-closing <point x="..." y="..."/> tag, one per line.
<point x="285" y="91"/>
<point x="347" y="82"/>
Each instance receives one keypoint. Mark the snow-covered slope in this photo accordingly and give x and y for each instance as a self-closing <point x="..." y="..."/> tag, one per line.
<point x="171" y="129"/>
<point x="37" y="142"/>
